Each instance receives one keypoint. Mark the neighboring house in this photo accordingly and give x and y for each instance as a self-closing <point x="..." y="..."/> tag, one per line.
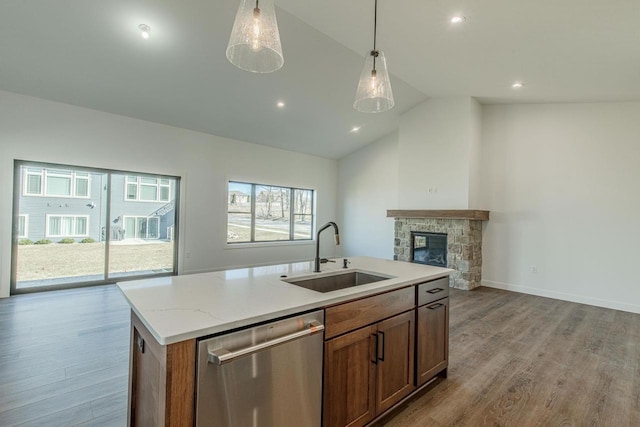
<point x="58" y="203"/>
<point x="238" y="198"/>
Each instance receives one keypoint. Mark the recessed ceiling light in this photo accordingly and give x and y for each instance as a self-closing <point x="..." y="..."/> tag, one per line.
<point x="458" y="19"/>
<point x="355" y="129"/>
<point x="280" y="104"/>
<point x="517" y="85"/>
<point x="144" y="31"/>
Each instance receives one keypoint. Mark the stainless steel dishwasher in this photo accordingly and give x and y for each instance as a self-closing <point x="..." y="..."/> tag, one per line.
<point x="265" y="376"/>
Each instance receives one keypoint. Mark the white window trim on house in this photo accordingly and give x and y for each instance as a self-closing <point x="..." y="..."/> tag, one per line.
<point x="44" y="174"/>
<point x="25" y="228"/>
<point x="48" y="223"/>
<point x="127" y="235"/>
<point x="159" y="185"/>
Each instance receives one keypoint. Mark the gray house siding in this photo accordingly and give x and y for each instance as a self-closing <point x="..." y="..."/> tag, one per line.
<point x="37" y="208"/>
<point x="122" y="208"/>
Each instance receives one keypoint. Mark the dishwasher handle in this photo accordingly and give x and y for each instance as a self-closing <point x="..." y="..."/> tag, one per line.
<point x="221" y="356"/>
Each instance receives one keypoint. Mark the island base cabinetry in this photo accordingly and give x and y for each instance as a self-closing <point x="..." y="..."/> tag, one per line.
<point x="349" y="378"/>
<point x="433" y="341"/>
<point x="370" y="369"/>
<point x="161" y="380"/>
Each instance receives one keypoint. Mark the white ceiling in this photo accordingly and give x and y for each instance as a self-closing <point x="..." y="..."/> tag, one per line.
<point x="91" y="54"/>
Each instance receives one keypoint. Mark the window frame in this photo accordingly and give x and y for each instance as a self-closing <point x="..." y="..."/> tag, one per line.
<point x="146" y="218"/>
<point x="20" y="167"/>
<point x="47" y="225"/>
<point x="292" y="215"/>
<point x="138" y="188"/>
<point x="44" y="175"/>
<point x="25" y="229"/>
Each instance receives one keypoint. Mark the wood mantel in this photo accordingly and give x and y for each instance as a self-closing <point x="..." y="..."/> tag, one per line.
<point x="440" y="214"/>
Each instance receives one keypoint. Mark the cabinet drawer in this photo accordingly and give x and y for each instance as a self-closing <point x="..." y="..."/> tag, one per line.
<point x="433" y="290"/>
<point x="355" y="314"/>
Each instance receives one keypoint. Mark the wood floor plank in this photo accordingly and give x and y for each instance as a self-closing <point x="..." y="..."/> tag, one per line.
<point x="67" y="417"/>
<point x="109" y="405"/>
<point x="48" y="407"/>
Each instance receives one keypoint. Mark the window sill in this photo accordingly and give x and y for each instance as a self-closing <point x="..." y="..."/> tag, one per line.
<point x="250" y="245"/>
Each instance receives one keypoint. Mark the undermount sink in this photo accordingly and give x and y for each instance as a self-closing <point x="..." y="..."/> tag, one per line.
<point x="337" y="281"/>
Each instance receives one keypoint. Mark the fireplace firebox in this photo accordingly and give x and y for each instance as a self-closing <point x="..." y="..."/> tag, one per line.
<point x="429" y="248"/>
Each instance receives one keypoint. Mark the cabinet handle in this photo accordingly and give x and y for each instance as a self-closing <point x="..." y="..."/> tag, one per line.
<point x="435" y="306"/>
<point x="435" y="291"/>
<point x="383" y="343"/>
<point x="375" y="357"/>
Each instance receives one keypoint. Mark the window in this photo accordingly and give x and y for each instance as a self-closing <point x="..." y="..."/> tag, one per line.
<point x="33" y="182"/>
<point x="56" y="183"/>
<point x="141" y="227"/>
<point x="23" y="226"/>
<point x="67" y="225"/>
<point x="85" y="230"/>
<point x="266" y="213"/>
<point x="146" y="189"/>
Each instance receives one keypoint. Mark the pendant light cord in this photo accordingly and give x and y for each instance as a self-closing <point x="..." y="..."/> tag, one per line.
<point x="375" y="33"/>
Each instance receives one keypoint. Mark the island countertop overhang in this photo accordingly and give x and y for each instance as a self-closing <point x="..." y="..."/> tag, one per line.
<point x="178" y="308"/>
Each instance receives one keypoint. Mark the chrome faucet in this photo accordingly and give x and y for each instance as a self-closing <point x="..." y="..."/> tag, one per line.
<point x="320" y="230"/>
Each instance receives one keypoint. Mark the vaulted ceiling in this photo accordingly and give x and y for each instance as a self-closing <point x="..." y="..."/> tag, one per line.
<point x="91" y="54"/>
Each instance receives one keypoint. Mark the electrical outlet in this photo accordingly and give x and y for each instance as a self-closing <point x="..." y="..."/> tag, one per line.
<point x="534" y="269"/>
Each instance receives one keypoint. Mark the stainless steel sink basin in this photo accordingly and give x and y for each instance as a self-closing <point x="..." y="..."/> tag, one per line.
<point x="336" y="281"/>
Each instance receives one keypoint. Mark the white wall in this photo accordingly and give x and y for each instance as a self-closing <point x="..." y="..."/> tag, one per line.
<point x="368" y="186"/>
<point x="435" y="154"/>
<point x="39" y="130"/>
<point x="562" y="184"/>
<point x="475" y="156"/>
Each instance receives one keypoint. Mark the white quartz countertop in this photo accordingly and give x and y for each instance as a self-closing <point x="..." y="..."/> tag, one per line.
<point x="177" y="308"/>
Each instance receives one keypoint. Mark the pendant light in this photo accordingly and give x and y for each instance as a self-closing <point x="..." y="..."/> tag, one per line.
<point x="374" y="94"/>
<point x="254" y="44"/>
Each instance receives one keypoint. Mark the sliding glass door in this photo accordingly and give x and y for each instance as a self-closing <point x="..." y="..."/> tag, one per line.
<point x="142" y="210"/>
<point x="76" y="226"/>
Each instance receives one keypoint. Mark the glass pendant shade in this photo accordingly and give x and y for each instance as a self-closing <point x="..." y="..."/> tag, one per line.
<point x="254" y="44"/>
<point x="374" y="94"/>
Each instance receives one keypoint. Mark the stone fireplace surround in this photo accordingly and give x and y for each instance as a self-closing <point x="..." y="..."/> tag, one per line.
<point x="464" y="240"/>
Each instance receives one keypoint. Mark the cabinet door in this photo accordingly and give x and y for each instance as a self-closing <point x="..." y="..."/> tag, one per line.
<point x="433" y="339"/>
<point x="395" y="360"/>
<point x="349" y="379"/>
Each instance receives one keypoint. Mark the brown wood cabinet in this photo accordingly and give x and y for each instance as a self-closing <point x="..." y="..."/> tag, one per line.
<point x="432" y="345"/>
<point x="369" y="369"/>
<point x="394" y="376"/>
<point x="161" y="380"/>
<point x="349" y="378"/>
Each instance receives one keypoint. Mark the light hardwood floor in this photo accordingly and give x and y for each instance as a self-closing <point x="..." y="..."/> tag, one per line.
<point x="522" y="360"/>
<point x="516" y="360"/>
<point x="64" y="358"/>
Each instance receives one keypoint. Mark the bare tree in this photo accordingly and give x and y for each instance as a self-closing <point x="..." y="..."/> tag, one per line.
<point x="266" y="199"/>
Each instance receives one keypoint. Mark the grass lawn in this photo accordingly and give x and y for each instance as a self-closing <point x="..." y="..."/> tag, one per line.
<point x="85" y="259"/>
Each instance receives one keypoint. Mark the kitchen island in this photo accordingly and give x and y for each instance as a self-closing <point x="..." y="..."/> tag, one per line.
<point x="170" y="315"/>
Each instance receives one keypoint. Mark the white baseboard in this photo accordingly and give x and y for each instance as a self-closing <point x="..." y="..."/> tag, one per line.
<point x="616" y="305"/>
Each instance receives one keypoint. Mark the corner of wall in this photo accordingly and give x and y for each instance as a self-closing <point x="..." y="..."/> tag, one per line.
<point x="475" y="155"/>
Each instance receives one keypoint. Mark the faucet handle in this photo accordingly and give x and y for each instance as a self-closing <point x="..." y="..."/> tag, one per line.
<point x="345" y="262"/>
